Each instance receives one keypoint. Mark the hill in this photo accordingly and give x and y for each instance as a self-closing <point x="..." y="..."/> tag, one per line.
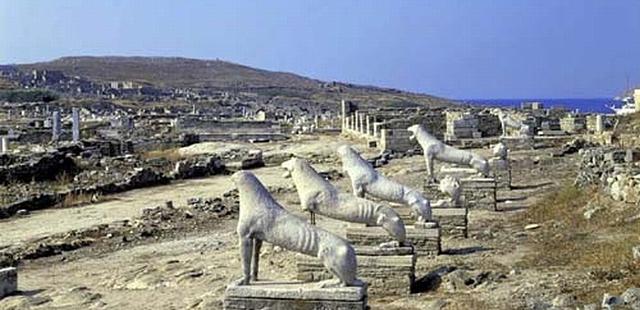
<point x="178" y="72"/>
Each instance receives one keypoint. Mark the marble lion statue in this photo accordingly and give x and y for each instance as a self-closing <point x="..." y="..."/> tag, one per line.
<point x="500" y="151"/>
<point x="366" y="180"/>
<point x="508" y="121"/>
<point x="263" y="219"/>
<point x="450" y="186"/>
<point x="435" y="149"/>
<point x="319" y="196"/>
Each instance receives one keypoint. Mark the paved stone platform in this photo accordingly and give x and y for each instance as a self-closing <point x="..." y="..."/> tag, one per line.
<point x="289" y="295"/>
<point x="387" y="271"/>
<point x="8" y="281"/>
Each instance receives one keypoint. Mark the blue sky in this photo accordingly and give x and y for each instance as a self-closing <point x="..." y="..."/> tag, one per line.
<point x="456" y="49"/>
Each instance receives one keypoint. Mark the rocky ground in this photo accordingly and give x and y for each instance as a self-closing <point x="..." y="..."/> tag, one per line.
<point x="537" y="252"/>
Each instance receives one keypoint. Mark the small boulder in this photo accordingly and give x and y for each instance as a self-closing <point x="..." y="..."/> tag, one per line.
<point x="631" y="297"/>
<point x="610" y="301"/>
<point x="636" y="252"/>
<point x="8" y="281"/>
<point x="564" y="300"/>
<point x="532" y="226"/>
<point x="22" y="212"/>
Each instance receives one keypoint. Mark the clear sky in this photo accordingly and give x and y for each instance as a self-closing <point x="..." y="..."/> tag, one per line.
<point x="456" y="49"/>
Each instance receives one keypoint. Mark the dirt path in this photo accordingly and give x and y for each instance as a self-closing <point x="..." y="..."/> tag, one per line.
<point x="120" y="206"/>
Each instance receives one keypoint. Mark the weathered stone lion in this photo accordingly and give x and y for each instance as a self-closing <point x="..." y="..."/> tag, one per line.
<point x="450" y="186"/>
<point x="263" y="219"/>
<point x="508" y="121"/>
<point x="500" y="151"/>
<point x="319" y="196"/>
<point x="435" y="149"/>
<point x="365" y="179"/>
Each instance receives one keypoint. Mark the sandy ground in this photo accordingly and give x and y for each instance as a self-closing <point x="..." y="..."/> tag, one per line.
<point x="191" y="271"/>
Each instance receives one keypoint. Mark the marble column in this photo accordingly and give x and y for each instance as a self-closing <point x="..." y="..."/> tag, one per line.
<point x="75" y="123"/>
<point x="56" y="126"/>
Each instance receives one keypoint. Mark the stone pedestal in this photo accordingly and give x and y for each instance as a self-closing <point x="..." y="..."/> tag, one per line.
<point x="501" y="171"/>
<point x="453" y="222"/>
<point x="8" y="281"/>
<point x="289" y="295"/>
<point x="387" y="271"/>
<point x="477" y="193"/>
<point x="426" y="241"/>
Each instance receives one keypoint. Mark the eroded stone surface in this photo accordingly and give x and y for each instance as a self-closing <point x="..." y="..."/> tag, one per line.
<point x="8" y="281"/>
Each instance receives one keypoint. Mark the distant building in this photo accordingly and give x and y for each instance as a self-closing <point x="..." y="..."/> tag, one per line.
<point x="262" y="115"/>
<point x="122" y="84"/>
<point x="636" y="98"/>
<point x="534" y="105"/>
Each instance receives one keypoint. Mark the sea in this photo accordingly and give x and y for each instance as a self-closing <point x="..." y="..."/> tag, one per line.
<point x="593" y="105"/>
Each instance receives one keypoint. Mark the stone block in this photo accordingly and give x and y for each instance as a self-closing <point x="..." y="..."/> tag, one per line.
<point x="501" y="171"/>
<point x="477" y="193"/>
<point x="426" y="241"/>
<point x="387" y="271"/>
<point x="454" y="222"/>
<point x="8" y="281"/>
<point x="288" y="295"/>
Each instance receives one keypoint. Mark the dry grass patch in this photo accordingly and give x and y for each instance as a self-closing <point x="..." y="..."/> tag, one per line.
<point x="75" y="199"/>
<point x="598" y="248"/>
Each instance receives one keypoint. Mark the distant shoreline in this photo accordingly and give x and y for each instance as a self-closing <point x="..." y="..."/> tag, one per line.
<point x="585" y="105"/>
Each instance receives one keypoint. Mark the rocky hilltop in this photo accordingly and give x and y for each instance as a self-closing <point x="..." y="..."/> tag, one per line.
<point x="179" y="75"/>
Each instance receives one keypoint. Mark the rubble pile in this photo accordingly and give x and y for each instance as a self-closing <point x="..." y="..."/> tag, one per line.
<point x="246" y="159"/>
<point x="45" y="167"/>
<point x="574" y="146"/>
<point x="198" y="166"/>
<point x="614" y="170"/>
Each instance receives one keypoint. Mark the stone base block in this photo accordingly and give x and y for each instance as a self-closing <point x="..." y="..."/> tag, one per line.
<point x="454" y="222"/>
<point x="289" y="295"/>
<point x="8" y="281"/>
<point x="477" y="193"/>
<point x="501" y="171"/>
<point x="387" y="271"/>
<point x="425" y="241"/>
